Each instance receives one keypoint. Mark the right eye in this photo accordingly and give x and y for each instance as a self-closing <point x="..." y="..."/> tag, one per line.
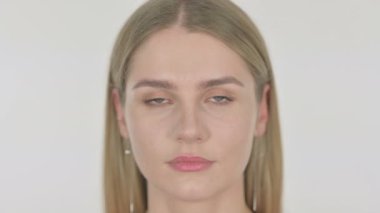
<point x="156" y="101"/>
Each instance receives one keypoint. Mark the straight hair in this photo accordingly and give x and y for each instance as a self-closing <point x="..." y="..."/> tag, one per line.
<point x="123" y="182"/>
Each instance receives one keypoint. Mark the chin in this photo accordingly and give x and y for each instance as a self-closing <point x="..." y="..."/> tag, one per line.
<point x="193" y="191"/>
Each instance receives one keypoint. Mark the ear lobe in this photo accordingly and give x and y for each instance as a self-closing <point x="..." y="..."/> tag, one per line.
<point x="263" y="113"/>
<point x="119" y="113"/>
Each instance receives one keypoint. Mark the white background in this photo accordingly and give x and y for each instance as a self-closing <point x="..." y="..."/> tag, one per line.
<point x="53" y="67"/>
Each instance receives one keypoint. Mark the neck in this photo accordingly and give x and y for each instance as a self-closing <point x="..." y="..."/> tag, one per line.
<point x="232" y="199"/>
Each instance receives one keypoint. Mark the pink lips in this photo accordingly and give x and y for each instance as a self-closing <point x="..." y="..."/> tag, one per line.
<point x="190" y="163"/>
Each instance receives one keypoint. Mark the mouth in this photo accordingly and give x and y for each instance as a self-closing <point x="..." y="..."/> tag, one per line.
<point x="186" y="163"/>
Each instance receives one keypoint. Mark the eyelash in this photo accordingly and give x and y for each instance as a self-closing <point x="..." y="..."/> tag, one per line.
<point x="153" y="102"/>
<point x="225" y="98"/>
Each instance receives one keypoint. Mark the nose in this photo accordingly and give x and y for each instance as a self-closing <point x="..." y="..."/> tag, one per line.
<point x="191" y="126"/>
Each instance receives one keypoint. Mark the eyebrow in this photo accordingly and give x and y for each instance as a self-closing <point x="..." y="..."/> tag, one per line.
<point x="164" y="84"/>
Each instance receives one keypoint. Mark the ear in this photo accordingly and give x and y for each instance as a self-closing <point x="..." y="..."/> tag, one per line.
<point x="119" y="113"/>
<point x="263" y="112"/>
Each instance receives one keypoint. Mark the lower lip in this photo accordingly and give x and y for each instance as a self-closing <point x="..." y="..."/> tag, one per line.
<point x="189" y="166"/>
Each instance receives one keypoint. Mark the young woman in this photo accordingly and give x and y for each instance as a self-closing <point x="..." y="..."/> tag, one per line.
<point x="192" y="123"/>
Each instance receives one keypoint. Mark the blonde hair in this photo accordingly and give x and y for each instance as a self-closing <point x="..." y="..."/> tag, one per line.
<point x="123" y="182"/>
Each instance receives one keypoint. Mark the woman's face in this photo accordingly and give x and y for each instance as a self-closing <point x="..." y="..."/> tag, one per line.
<point x="188" y="94"/>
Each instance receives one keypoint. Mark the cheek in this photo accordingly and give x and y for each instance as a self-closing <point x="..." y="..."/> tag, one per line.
<point x="148" y="157"/>
<point x="234" y="140"/>
<point x="150" y="151"/>
<point x="234" y="155"/>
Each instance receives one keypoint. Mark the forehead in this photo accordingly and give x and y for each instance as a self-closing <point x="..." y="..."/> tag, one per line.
<point x="177" y="55"/>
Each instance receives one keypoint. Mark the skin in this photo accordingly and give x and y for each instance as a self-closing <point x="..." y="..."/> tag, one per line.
<point x="184" y="115"/>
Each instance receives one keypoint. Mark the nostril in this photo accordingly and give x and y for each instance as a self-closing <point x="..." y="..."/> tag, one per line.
<point x="189" y="133"/>
<point x="190" y="126"/>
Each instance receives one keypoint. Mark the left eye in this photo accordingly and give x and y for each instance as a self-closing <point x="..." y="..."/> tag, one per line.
<point x="221" y="99"/>
<point x="156" y="101"/>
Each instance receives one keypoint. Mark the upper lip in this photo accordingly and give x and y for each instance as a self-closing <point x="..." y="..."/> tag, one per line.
<point x="189" y="158"/>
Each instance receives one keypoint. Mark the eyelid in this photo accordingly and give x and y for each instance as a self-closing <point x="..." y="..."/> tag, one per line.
<point x="164" y="101"/>
<point x="151" y="101"/>
<point x="226" y="99"/>
<point x="154" y="98"/>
